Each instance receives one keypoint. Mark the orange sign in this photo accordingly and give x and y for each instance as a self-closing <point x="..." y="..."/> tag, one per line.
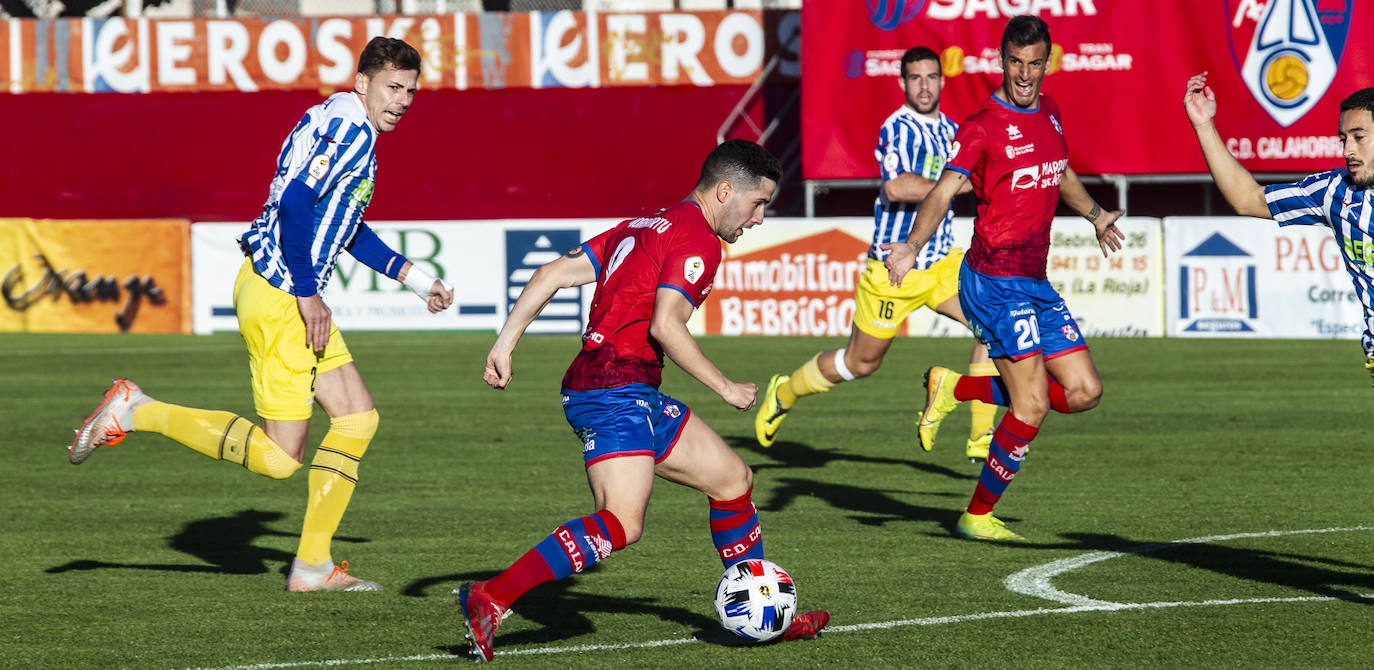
<point x="801" y="287"/>
<point x="489" y="50"/>
<point x="95" y="276"/>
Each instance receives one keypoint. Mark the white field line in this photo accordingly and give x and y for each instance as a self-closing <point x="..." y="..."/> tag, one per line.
<point x="1036" y="581"/>
<point x="879" y="625"/>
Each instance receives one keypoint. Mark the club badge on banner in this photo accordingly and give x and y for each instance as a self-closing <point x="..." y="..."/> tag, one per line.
<point x="1242" y="277"/>
<point x="1117" y="69"/>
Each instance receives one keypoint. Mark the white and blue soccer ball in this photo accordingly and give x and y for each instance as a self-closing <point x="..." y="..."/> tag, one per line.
<point x="756" y="600"/>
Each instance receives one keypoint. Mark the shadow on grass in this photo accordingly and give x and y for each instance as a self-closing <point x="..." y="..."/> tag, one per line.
<point x="1319" y="576"/>
<point x="871" y="507"/>
<point x="560" y="612"/>
<point x="223" y="543"/>
<point x="794" y="455"/>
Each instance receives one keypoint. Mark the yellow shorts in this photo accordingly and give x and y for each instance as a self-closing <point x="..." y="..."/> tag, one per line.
<point x="880" y="308"/>
<point x="282" y="365"/>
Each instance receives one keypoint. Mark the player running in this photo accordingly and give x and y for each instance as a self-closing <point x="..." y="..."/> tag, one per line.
<point x="296" y="355"/>
<point x="1013" y="151"/>
<point x="650" y="274"/>
<point x="1340" y="199"/>
<point x="913" y="145"/>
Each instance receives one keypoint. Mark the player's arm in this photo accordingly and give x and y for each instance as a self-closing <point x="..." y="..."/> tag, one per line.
<point x="574" y="268"/>
<point x="371" y="251"/>
<point x="296" y="209"/>
<point x="1072" y="192"/>
<point x="911" y="187"/>
<point x="668" y="326"/>
<point x="902" y="256"/>
<point x="1236" y="183"/>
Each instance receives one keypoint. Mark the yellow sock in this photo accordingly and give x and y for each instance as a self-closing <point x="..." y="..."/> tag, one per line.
<point x="223" y="436"/>
<point x="333" y="474"/>
<point x="806" y="380"/>
<point x="982" y="413"/>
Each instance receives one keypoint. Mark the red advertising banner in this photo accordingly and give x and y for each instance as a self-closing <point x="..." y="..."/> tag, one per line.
<point x="1117" y="68"/>
<point x="462" y="51"/>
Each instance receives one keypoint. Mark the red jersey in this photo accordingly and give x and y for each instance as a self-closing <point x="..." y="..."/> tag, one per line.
<point x="1015" y="158"/>
<point x="675" y="249"/>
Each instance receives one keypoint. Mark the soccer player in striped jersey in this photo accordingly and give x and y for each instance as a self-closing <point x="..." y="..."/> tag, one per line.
<point x="650" y="274"/>
<point x="1341" y="199"/>
<point x="296" y="354"/>
<point x="913" y="145"/>
<point x="1012" y="149"/>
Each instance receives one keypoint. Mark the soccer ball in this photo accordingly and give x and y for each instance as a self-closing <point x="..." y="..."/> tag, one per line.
<point x="756" y="600"/>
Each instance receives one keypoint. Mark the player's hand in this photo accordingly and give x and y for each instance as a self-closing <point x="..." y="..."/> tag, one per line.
<point x="498" y="372"/>
<point x="316" y="316"/>
<point x="1199" y="101"/>
<point x="741" y="395"/>
<point x="1109" y="237"/>
<point x="440" y="297"/>
<point x="901" y="258"/>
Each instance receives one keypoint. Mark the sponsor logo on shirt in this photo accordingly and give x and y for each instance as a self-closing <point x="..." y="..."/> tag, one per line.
<point x="693" y="269"/>
<point x="319" y="167"/>
<point x="1013" y="133"/>
<point x="1013" y="152"/>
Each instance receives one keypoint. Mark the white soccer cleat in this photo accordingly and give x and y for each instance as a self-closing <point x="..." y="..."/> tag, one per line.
<point x="328" y="577"/>
<point x="110" y="421"/>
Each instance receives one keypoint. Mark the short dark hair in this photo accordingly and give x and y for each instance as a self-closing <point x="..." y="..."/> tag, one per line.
<point x="387" y="51"/>
<point x="1025" y="30"/>
<point x="1361" y="99"/>
<point x="740" y="162"/>
<point x="918" y="54"/>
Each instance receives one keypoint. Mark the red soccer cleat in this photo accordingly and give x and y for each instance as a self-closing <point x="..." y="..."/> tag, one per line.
<point x="481" y="614"/>
<point x="806" y="625"/>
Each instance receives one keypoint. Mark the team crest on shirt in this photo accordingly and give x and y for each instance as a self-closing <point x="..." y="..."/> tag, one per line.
<point x="1070" y="333"/>
<point x="319" y="167"/>
<point x="693" y="269"/>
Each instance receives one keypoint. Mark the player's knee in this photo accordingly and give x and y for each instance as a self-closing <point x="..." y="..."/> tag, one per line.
<point x="277" y="464"/>
<point x="1031" y="410"/>
<point x="1086" y="395"/>
<point x="864" y="367"/>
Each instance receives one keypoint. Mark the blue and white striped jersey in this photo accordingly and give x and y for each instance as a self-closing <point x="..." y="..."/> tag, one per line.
<point x="332" y="151"/>
<point x="1330" y="199"/>
<point x="909" y="142"/>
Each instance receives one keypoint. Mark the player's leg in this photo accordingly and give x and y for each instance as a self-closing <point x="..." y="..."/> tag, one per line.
<point x="263" y="312"/>
<point x="878" y="312"/>
<point x="701" y="460"/>
<point x="1027" y="384"/>
<point x="353" y="420"/>
<point x="946" y="302"/>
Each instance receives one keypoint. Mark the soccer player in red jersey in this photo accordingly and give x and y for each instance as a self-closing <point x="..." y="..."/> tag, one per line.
<point x="650" y="274"/>
<point x="1013" y="151"/>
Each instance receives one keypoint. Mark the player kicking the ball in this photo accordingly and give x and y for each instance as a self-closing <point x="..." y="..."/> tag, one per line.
<point x="650" y="274"/>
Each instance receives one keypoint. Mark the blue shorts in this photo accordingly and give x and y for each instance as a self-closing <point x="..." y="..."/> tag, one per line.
<point x="629" y="420"/>
<point x="1017" y="317"/>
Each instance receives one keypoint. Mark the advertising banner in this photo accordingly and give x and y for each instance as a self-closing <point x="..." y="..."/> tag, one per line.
<point x="1242" y="277"/>
<point x="796" y="277"/>
<point x="1117" y="68"/>
<point x="95" y="276"/>
<point x="460" y="51"/>
<point x="486" y="262"/>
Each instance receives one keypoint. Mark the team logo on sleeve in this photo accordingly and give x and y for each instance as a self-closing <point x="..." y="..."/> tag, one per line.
<point x="1057" y="128"/>
<point x="891" y="162"/>
<point x="319" y="167"/>
<point x="693" y="269"/>
<point x="953" y="150"/>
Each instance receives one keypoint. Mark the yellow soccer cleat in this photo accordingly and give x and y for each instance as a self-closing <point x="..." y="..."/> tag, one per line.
<point x="939" y="402"/>
<point x="984" y="527"/>
<point x="770" y="413"/>
<point x="977" y="449"/>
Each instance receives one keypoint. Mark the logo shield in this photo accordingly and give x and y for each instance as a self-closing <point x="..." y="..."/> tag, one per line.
<point x="1287" y="50"/>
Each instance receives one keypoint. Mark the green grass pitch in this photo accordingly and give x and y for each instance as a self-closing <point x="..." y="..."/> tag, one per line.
<point x="151" y="556"/>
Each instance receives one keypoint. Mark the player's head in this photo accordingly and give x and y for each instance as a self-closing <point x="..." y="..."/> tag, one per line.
<point x="1357" y="136"/>
<point x="388" y="76"/>
<point x="1025" y="56"/>
<point x="922" y="80"/>
<point x="737" y="181"/>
